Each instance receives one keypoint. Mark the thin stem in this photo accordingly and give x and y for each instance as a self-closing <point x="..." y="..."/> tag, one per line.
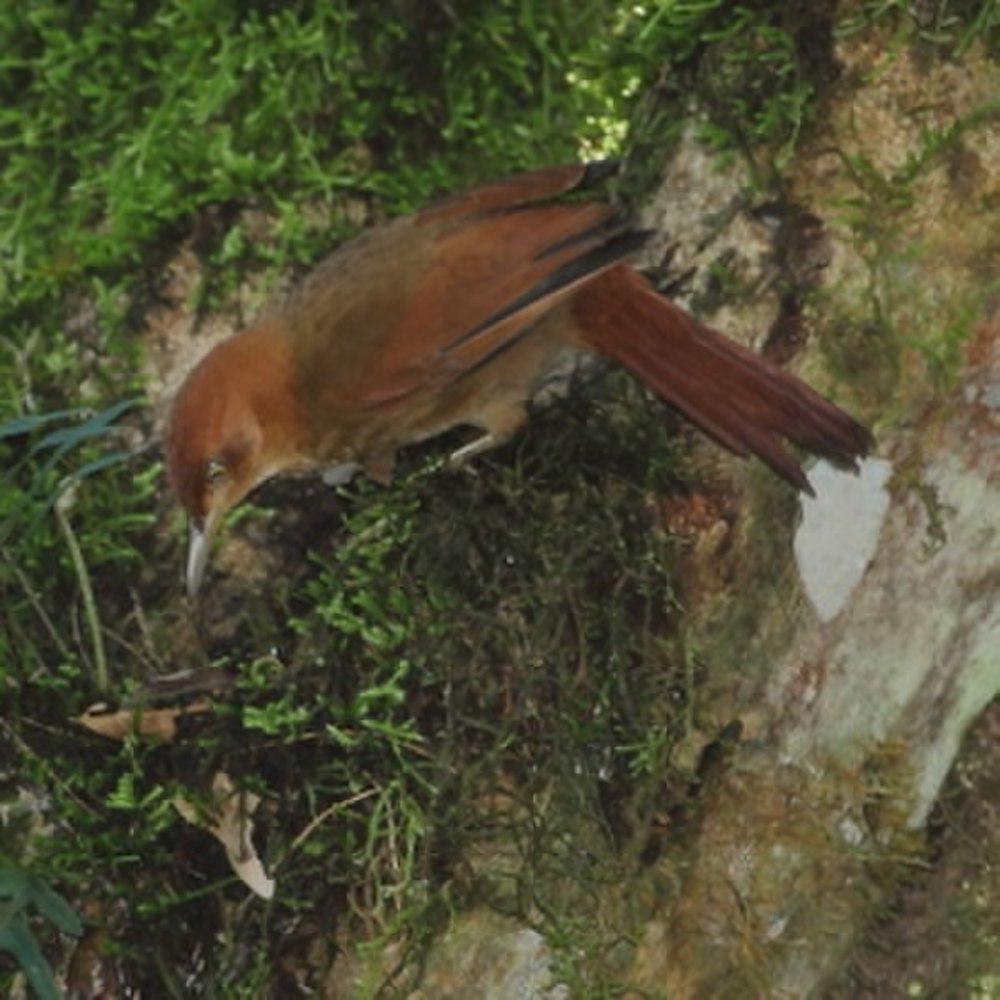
<point x="35" y="602"/>
<point x="86" y="590"/>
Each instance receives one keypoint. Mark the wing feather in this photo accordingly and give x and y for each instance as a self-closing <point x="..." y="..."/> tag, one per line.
<point x="520" y="189"/>
<point x="491" y="280"/>
<point x="419" y="302"/>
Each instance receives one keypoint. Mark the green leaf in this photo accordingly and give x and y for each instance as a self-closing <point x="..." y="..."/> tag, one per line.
<point x="18" y="940"/>
<point x="66" y="438"/>
<point x="31" y="422"/>
<point x="13" y="886"/>
<point x="53" y="907"/>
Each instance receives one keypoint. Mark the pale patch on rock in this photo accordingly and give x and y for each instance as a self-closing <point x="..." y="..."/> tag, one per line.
<point x="839" y="531"/>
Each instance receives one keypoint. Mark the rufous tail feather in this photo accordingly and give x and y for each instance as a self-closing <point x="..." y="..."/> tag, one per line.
<point x="738" y="398"/>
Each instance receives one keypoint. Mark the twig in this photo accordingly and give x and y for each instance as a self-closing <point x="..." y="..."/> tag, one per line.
<point x="136" y="651"/>
<point x="311" y="826"/>
<point x="144" y="629"/>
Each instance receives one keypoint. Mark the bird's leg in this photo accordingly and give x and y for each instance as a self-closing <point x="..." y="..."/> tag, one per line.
<point x="500" y="423"/>
<point x="486" y="442"/>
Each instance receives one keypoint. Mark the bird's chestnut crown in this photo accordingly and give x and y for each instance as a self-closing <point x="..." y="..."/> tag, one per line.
<point x="233" y="423"/>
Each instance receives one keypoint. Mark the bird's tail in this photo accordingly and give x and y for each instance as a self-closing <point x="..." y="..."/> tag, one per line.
<point x="739" y="399"/>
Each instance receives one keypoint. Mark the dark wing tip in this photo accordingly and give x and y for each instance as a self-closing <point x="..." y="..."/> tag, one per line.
<point x="597" y="171"/>
<point x="603" y="256"/>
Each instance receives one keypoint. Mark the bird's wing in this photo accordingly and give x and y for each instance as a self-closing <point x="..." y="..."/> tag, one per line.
<point x="422" y="301"/>
<point x="430" y="298"/>
<point x="535" y="185"/>
<point x="485" y="285"/>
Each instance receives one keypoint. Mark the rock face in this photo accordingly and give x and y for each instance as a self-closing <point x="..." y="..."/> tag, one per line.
<point x="864" y="717"/>
<point x="915" y="654"/>
<point x="884" y="643"/>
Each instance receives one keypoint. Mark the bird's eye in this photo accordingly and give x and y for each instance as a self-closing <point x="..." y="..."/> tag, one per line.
<point x="215" y="471"/>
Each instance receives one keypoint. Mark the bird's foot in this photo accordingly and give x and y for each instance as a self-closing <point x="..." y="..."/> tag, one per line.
<point x="461" y="456"/>
<point x="337" y="475"/>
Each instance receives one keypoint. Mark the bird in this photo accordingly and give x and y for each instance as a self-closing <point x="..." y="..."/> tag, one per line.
<point x="455" y="316"/>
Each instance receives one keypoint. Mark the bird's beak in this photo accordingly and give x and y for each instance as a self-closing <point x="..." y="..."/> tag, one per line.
<point x="199" y="543"/>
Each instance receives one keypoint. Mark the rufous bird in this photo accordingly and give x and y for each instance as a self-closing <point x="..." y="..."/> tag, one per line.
<point x="455" y="316"/>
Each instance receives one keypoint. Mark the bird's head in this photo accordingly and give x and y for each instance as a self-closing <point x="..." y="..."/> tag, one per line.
<point x="233" y="423"/>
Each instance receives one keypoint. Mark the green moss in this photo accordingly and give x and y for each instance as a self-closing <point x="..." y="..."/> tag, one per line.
<point x="864" y="354"/>
<point x="942" y="28"/>
<point x="903" y="335"/>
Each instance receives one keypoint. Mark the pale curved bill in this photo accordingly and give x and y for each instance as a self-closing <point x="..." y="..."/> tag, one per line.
<point x="198" y="544"/>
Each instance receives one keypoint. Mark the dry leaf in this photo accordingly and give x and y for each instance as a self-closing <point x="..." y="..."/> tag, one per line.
<point x="156" y="723"/>
<point x="229" y="822"/>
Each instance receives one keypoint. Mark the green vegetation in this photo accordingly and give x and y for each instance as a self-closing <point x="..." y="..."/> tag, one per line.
<point x="899" y="319"/>
<point x="18" y="893"/>
<point x="945" y="26"/>
<point x="421" y="646"/>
